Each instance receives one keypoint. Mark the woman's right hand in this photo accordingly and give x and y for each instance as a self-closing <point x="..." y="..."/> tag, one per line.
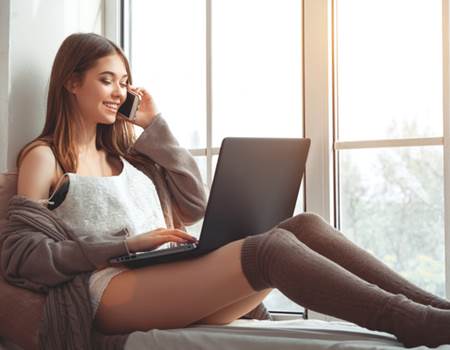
<point x="153" y="239"/>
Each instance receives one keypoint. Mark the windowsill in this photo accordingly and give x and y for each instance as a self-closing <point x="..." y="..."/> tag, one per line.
<point x="284" y="316"/>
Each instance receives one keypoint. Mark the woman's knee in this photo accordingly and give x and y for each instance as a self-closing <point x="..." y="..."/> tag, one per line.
<point x="301" y="221"/>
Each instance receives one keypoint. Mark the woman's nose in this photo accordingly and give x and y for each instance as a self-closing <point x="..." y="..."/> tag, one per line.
<point x="120" y="92"/>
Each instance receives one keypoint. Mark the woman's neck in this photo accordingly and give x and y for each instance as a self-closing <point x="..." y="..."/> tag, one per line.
<point x="87" y="140"/>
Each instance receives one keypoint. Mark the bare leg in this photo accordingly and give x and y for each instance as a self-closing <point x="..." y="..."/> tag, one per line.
<point x="174" y="295"/>
<point x="236" y="310"/>
<point x="321" y="237"/>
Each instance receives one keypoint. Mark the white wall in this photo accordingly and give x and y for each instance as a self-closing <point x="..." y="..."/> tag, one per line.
<point x="31" y="32"/>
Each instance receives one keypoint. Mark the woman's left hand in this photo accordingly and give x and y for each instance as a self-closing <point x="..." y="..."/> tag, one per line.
<point x="147" y="109"/>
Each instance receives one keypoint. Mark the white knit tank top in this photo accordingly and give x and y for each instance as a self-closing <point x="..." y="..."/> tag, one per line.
<point x="97" y="205"/>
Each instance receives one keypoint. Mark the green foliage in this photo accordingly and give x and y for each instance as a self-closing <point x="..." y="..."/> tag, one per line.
<point x="393" y="207"/>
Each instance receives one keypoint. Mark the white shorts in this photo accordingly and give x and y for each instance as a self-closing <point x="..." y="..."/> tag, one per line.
<point x="98" y="282"/>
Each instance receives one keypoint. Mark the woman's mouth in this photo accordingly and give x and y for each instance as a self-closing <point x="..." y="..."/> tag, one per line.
<point x="112" y="106"/>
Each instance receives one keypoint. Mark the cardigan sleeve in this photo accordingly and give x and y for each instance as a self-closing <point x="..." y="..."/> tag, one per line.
<point x="33" y="259"/>
<point x="181" y="172"/>
<point x="37" y="252"/>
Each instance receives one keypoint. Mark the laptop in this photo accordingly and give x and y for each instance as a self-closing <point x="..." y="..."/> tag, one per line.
<point x="255" y="187"/>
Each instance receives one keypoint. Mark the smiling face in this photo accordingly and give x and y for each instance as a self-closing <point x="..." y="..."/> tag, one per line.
<point x="102" y="90"/>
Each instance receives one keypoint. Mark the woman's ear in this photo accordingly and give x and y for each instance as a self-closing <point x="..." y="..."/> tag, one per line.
<point x="73" y="83"/>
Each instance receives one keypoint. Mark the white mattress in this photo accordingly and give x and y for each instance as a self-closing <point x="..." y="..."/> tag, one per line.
<point x="263" y="335"/>
<point x="267" y="335"/>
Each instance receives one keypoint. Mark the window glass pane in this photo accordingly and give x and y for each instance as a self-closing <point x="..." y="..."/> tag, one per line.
<point x="256" y="72"/>
<point x="168" y="59"/>
<point x="392" y="205"/>
<point x="389" y="68"/>
<point x="299" y="206"/>
<point x="277" y="301"/>
<point x="256" y="68"/>
<point x="201" y="163"/>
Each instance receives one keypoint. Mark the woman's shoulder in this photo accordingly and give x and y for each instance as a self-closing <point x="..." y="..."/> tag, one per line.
<point x="37" y="154"/>
<point x="37" y="171"/>
<point x="36" y="148"/>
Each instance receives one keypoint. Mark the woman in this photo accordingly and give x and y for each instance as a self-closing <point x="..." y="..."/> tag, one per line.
<point x="85" y="142"/>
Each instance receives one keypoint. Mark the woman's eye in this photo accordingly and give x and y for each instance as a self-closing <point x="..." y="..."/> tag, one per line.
<point x="109" y="82"/>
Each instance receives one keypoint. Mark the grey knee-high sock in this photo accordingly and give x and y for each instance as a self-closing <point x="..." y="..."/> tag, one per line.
<point x="321" y="237"/>
<point x="278" y="259"/>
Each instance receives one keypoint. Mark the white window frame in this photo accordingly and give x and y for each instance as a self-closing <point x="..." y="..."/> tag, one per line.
<point x="318" y="108"/>
<point x="319" y="115"/>
<point x="117" y="11"/>
<point x="446" y="103"/>
<point x="117" y="15"/>
<point x="112" y="20"/>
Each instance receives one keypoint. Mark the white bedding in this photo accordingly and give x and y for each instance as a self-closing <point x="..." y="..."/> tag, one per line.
<point x="267" y="335"/>
<point x="263" y="335"/>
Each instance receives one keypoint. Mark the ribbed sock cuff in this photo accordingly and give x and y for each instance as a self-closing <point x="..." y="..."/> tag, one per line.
<point x="249" y="262"/>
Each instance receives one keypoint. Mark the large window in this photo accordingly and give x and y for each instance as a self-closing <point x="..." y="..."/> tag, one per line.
<point x="376" y="78"/>
<point x="220" y="68"/>
<point x="389" y="133"/>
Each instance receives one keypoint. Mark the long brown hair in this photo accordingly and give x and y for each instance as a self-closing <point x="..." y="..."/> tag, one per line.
<point x="77" y="54"/>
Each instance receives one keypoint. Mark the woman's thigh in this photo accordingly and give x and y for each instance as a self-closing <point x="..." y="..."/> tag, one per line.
<point x="236" y="310"/>
<point x="173" y="295"/>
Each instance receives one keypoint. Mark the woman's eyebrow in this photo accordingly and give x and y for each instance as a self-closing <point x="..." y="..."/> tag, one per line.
<point x="113" y="74"/>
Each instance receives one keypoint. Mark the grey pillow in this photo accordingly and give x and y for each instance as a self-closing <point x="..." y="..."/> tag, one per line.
<point x="20" y="309"/>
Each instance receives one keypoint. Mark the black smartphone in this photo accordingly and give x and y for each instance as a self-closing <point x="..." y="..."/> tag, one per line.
<point x="130" y="106"/>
